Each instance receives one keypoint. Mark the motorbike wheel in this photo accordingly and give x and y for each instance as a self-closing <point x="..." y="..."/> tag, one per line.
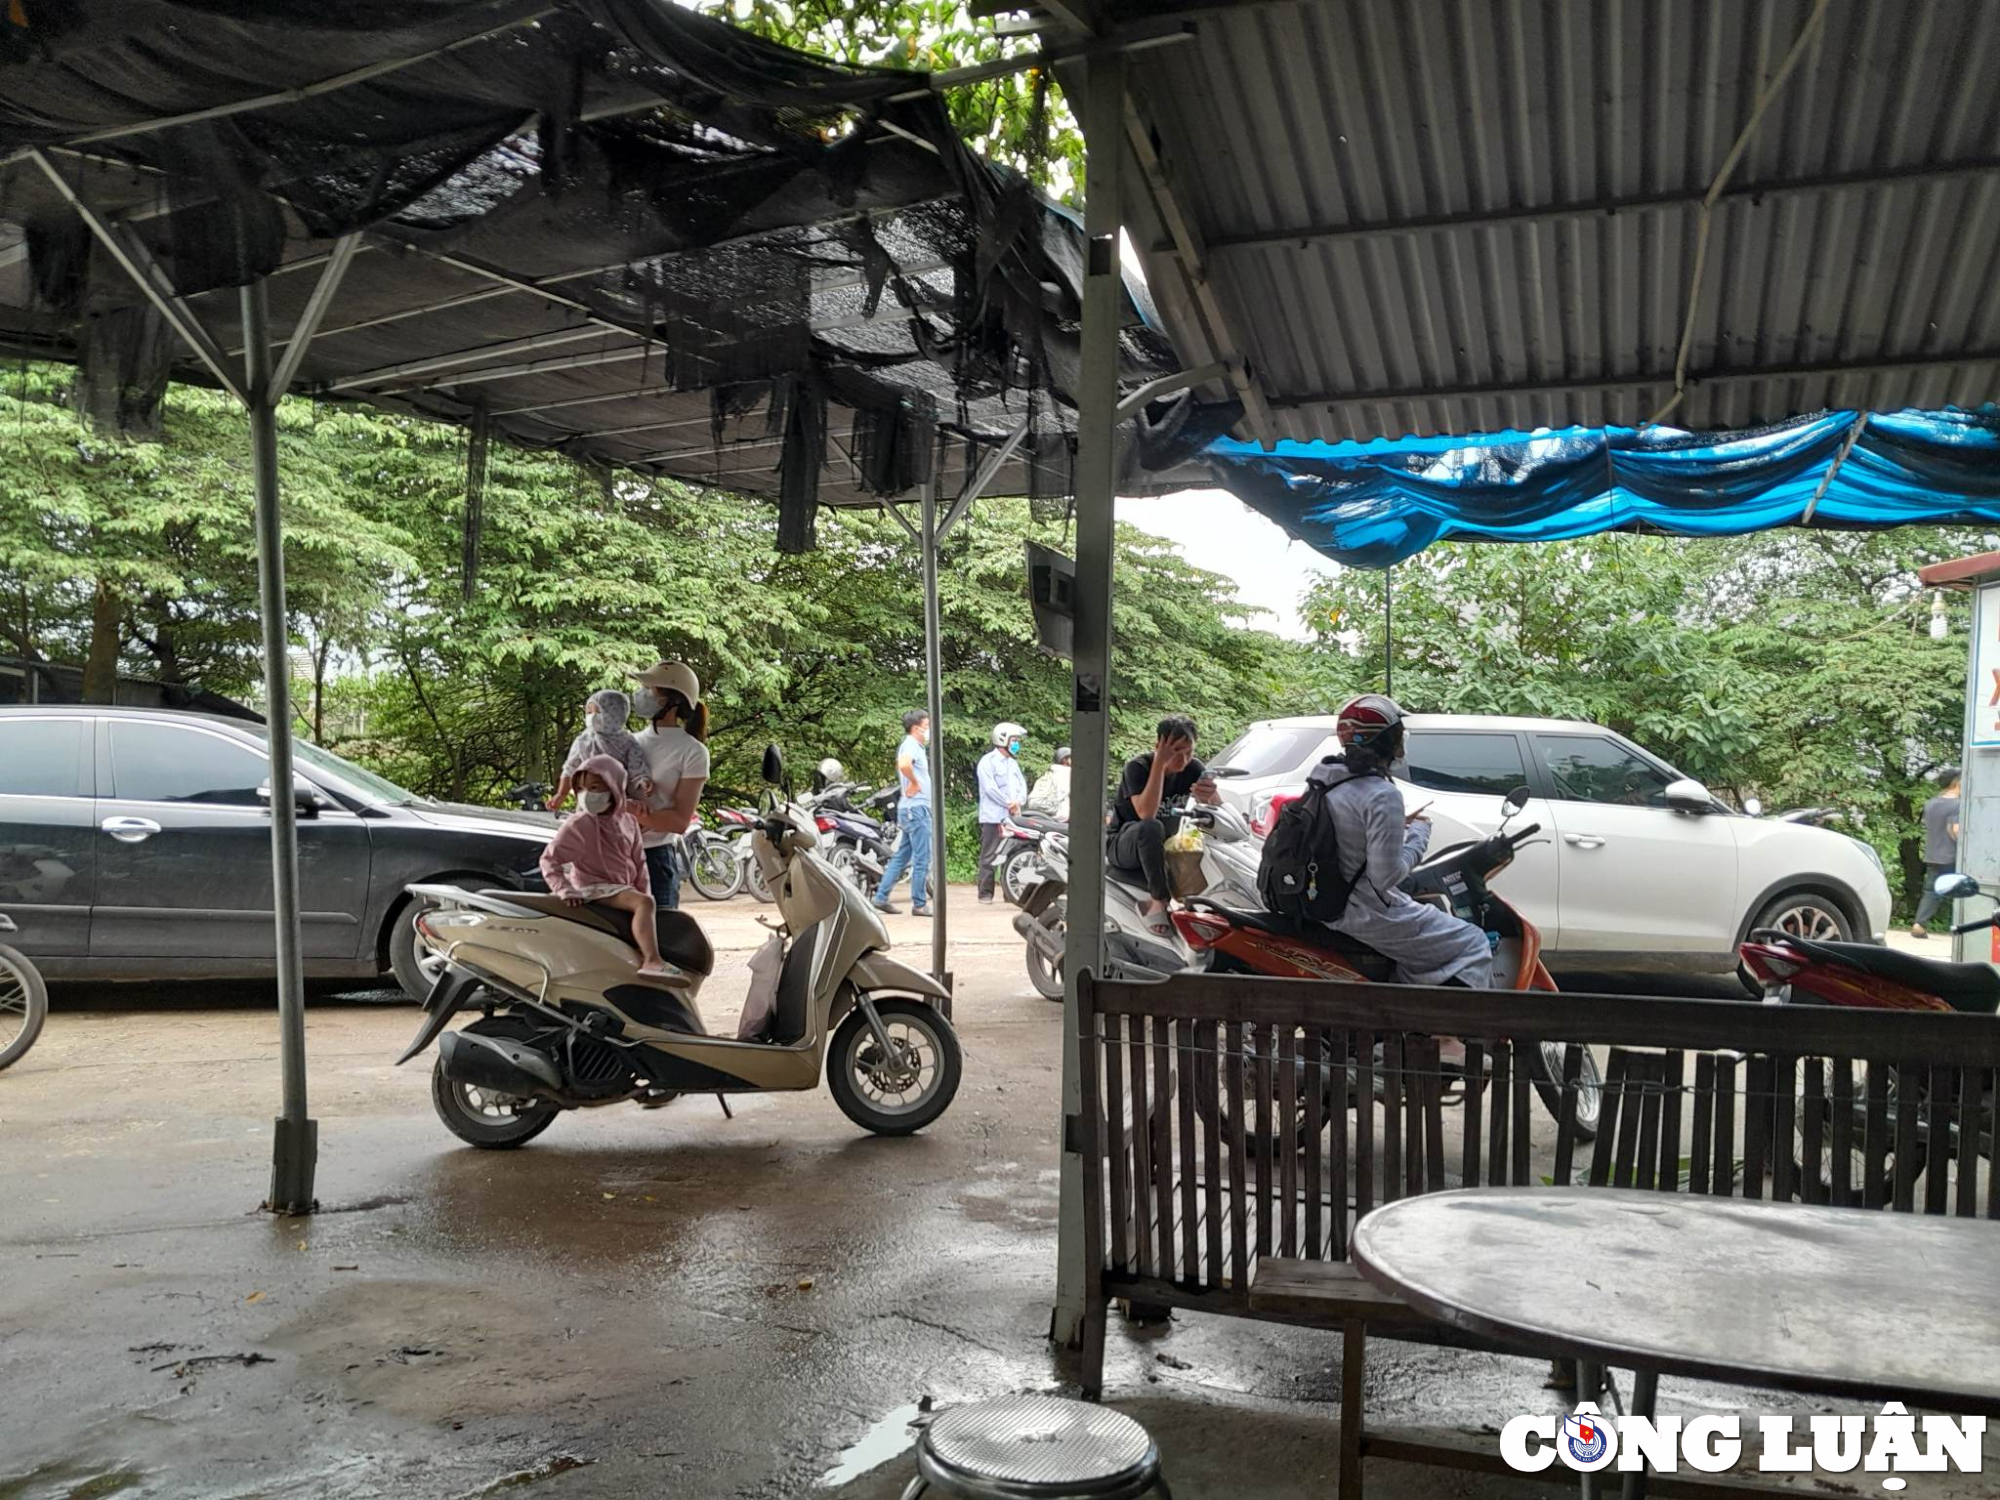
<point x="1014" y="873"/>
<point x="1857" y="1155"/>
<point x="1046" y="976"/>
<point x="493" y="1122"/>
<point x="900" y="1095"/>
<point x="714" y="871"/>
<point x="24" y="1005"/>
<point x="846" y="862"/>
<point x="754" y="883"/>
<point x="1545" y="1066"/>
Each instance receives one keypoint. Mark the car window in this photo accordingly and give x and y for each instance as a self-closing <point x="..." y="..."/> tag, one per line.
<point x="41" y="757"/>
<point x="1266" y="749"/>
<point x="170" y="763"/>
<point x="1480" y="763"/>
<point x="1585" y="769"/>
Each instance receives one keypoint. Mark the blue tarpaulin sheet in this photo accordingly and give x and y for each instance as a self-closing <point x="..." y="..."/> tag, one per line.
<point x="1373" y="504"/>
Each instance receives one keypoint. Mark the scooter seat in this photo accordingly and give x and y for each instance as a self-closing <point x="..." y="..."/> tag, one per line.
<point x="1040" y="823"/>
<point x="1367" y="962"/>
<point x="1971" y="987"/>
<point x="682" y="942"/>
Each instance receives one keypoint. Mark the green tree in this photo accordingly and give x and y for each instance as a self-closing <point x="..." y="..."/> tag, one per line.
<point x="1018" y="118"/>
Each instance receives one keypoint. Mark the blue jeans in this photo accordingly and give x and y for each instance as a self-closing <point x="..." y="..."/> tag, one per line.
<point x="913" y="853"/>
<point x="663" y="868"/>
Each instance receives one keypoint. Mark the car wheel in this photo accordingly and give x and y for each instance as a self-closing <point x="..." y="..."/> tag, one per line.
<point x="415" y="968"/>
<point x="1800" y="914"/>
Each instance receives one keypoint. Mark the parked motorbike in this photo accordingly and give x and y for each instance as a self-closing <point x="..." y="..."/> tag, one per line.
<point x="858" y="844"/>
<point x="568" y="1023"/>
<point x="1236" y="940"/>
<point x="736" y="827"/>
<point x="1131" y="949"/>
<point x="1804" y="971"/>
<point x="530" y="796"/>
<point x="1020" y="846"/>
<point x="24" y="1000"/>
<point x="710" y="862"/>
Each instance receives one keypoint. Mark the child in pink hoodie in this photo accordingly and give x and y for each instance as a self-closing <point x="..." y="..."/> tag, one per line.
<point x="596" y="856"/>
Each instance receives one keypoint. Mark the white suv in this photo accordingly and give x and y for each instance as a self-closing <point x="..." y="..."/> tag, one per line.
<point x="1643" y="867"/>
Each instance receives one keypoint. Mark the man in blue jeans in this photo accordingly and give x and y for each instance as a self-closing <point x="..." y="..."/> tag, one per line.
<point x="913" y="817"/>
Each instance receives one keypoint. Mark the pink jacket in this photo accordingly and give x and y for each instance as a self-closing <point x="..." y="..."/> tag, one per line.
<point x="599" y="848"/>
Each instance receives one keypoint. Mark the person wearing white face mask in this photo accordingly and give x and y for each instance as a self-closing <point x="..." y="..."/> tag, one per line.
<point x="604" y="733"/>
<point x="596" y="856"/>
<point x="669" y="699"/>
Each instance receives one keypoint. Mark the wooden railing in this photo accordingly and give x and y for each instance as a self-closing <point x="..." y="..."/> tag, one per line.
<point x="1221" y="1122"/>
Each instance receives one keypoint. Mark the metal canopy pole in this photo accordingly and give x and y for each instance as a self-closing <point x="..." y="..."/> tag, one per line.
<point x="1103" y="292"/>
<point x="295" y="1146"/>
<point x="934" y="706"/>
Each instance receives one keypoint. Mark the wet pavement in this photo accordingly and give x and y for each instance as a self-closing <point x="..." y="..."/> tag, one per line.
<point x="637" y="1304"/>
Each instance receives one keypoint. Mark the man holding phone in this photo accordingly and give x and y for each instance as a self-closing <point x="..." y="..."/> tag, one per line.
<point x="1162" y="777"/>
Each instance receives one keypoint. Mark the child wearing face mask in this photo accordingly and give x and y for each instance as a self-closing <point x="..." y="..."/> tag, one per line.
<point x="604" y="733"/>
<point x="596" y="856"/>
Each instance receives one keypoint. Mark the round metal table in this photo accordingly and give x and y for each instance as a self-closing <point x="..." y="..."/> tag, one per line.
<point x="1837" y="1301"/>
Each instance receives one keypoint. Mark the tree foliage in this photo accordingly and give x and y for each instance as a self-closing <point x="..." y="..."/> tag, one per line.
<point x="582" y="579"/>
<point x="1018" y="118"/>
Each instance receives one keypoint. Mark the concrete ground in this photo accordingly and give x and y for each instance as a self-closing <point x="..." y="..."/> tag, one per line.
<point x="661" y="1304"/>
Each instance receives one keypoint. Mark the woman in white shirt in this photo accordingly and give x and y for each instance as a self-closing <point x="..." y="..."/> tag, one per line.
<point x="669" y="699"/>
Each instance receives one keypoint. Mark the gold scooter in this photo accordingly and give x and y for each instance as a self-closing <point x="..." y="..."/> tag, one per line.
<point x="569" y="1023"/>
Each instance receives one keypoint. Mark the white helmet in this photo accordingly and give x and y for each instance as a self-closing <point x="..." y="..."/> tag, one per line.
<point x="831" y="770"/>
<point x="1062" y="755"/>
<point x="1005" y="731"/>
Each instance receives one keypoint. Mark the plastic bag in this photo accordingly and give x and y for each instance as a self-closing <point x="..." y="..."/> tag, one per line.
<point x="760" y="1006"/>
<point x="1185" y="877"/>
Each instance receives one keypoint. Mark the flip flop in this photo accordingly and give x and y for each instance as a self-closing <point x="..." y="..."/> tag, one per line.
<point x="1159" y="923"/>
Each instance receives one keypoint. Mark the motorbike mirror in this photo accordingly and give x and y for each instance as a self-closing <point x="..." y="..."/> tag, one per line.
<point x="1689" y="796"/>
<point x="1753" y="807"/>
<point x="774" y="766"/>
<point x="1955" y="887"/>
<point x="1516" y="800"/>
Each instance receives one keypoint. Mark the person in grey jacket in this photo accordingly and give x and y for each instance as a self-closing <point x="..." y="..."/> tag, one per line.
<point x="1379" y="845"/>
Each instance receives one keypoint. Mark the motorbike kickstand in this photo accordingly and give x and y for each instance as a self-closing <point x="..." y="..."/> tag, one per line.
<point x="727" y="1112"/>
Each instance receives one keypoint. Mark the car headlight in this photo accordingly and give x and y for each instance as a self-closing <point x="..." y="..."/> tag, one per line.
<point x="1874" y="857"/>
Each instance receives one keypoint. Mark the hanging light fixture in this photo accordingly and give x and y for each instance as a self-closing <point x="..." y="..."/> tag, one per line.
<point x="1940" y="626"/>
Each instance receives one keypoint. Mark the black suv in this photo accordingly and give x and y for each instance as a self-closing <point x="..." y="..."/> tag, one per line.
<point x="136" y="844"/>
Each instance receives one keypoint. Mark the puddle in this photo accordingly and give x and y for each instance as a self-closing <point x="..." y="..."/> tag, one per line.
<point x="562" y="1463"/>
<point x="892" y="1435"/>
<point x="63" y="1481"/>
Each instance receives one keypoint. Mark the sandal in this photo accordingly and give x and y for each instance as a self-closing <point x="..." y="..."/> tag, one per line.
<point x="1158" y="923"/>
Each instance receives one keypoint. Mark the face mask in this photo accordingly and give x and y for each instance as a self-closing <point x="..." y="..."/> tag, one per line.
<point x="596" y="802"/>
<point x="646" y="704"/>
<point x="1013" y="747"/>
<point x="598" y="722"/>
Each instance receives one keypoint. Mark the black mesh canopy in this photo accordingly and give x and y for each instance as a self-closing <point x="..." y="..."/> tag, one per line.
<point x="610" y="227"/>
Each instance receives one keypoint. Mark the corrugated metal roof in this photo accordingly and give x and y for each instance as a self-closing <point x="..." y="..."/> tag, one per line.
<point x="1434" y="216"/>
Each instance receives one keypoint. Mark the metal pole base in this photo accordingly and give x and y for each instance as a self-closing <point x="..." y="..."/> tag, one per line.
<point x="294" y="1156"/>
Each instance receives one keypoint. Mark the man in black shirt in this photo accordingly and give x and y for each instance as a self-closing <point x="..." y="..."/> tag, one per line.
<point x="1162" y="777"/>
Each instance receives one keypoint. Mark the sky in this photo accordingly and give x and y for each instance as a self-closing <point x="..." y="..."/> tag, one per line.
<point x="1217" y="531"/>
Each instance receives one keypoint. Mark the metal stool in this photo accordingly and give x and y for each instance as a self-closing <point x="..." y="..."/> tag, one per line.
<point x="1037" y="1448"/>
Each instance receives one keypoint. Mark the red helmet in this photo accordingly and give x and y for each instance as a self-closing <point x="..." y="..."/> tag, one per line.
<point x="1365" y="718"/>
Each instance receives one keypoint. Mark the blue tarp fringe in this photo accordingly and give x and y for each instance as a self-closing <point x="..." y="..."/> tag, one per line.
<point x="1372" y="504"/>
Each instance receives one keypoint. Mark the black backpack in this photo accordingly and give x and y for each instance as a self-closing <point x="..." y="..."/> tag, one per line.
<point x="1299" y="875"/>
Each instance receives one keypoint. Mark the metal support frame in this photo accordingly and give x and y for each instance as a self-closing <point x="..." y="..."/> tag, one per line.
<point x="1171" y="385"/>
<point x="312" y="315"/>
<point x="1097" y="405"/>
<point x="1853" y="436"/>
<point x="975" y="485"/>
<point x="934" y="706"/>
<point x="295" y="1143"/>
<point x="137" y="262"/>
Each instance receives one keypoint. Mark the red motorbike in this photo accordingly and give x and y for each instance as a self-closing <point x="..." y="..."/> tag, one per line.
<point x="1796" y="970"/>
<point x="1244" y="942"/>
<point x="1802" y="971"/>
